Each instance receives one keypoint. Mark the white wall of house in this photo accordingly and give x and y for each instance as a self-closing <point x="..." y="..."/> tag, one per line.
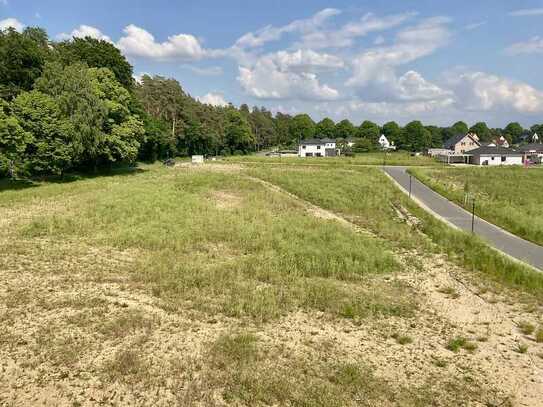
<point x="493" y="160"/>
<point x="383" y="141"/>
<point x="313" y="150"/>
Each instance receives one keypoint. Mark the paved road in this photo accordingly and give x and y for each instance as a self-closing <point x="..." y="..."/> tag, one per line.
<point x="512" y="245"/>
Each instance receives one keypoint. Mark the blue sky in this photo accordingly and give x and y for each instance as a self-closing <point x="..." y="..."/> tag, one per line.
<point x="438" y="61"/>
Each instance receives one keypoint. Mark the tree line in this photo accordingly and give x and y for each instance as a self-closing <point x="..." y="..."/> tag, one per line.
<point x="74" y="105"/>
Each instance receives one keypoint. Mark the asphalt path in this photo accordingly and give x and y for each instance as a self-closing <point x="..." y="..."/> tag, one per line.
<point x="500" y="239"/>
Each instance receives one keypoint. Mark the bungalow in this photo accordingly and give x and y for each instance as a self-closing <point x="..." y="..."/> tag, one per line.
<point x="318" y="148"/>
<point x="496" y="156"/>
<point x="462" y="143"/>
<point x="533" y="153"/>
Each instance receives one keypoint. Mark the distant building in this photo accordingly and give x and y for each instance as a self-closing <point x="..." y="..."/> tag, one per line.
<point x="462" y="143"/>
<point x="533" y="153"/>
<point x="385" y="144"/>
<point x="318" y="148"/>
<point x="501" y="142"/>
<point x="497" y="155"/>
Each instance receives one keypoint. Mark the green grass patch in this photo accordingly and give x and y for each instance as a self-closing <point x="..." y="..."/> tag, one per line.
<point x="368" y="198"/>
<point x="221" y="242"/>
<point x="378" y="158"/>
<point x="509" y="197"/>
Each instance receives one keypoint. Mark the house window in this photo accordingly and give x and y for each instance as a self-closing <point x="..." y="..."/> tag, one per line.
<point x="493" y="158"/>
<point x="309" y="155"/>
<point x="318" y="147"/>
<point x="303" y="147"/>
<point x="504" y="159"/>
<point x="318" y="155"/>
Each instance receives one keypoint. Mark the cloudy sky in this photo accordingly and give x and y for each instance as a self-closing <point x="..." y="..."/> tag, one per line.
<point x="438" y="61"/>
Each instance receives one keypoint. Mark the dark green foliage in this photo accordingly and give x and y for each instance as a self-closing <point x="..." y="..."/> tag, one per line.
<point x="13" y="142"/>
<point x="370" y="131"/>
<point x="238" y="132"/>
<point x="364" y="145"/>
<point x="392" y="132"/>
<point x="513" y="132"/>
<point x="53" y="147"/>
<point x="345" y="129"/>
<point x="482" y="131"/>
<point x="415" y="137"/>
<point x="302" y="127"/>
<point x="96" y="54"/>
<point x="326" y="128"/>
<point x="22" y="57"/>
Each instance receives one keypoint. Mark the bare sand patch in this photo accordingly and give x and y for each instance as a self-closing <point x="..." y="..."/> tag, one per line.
<point x="227" y="200"/>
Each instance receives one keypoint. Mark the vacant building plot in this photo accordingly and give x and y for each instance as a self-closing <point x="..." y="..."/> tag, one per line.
<point x="508" y="197"/>
<point x="223" y="285"/>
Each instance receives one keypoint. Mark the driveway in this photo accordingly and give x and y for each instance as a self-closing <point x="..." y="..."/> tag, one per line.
<point x="502" y="240"/>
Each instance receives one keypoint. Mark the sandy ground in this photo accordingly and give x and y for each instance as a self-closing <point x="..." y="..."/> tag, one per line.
<point x="72" y="323"/>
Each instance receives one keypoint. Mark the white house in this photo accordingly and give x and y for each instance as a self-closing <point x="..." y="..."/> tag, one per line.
<point x="492" y="156"/>
<point x="318" y="148"/>
<point x="385" y="144"/>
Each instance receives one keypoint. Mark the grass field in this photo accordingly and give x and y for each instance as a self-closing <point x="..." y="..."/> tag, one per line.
<point x="393" y="158"/>
<point x="225" y="285"/>
<point x="509" y="197"/>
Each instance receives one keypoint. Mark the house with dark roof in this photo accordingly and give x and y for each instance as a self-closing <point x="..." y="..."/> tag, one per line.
<point x="462" y="143"/>
<point x="316" y="147"/>
<point x="495" y="155"/>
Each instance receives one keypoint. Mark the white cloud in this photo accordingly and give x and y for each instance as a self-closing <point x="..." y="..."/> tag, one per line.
<point x="271" y="33"/>
<point x="307" y="61"/>
<point x="11" y="22"/>
<point x="285" y="75"/>
<point x="206" y="71"/>
<point x="213" y="99"/>
<point x="346" y="35"/>
<point x="138" y="77"/>
<point x="527" y="12"/>
<point x="480" y="91"/>
<point x="85" y="31"/>
<point x="138" y="42"/>
<point x="533" y="46"/>
<point x="374" y="70"/>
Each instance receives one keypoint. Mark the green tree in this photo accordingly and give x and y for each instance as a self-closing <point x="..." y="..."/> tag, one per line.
<point x="392" y="132"/>
<point x="459" y="128"/>
<point x="96" y="54"/>
<point x="482" y="131"/>
<point x="302" y="127"/>
<point x="74" y="91"/>
<point x="513" y="132"/>
<point x="282" y="129"/>
<point x="364" y="145"/>
<point x="22" y="57"/>
<point x="345" y="129"/>
<point x="53" y="146"/>
<point x="13" y="142"/>
<point x="436" y="136"/>
<point x="239" y="137"/>
<point x="370" y="131"/>
<point x="416" y="137"/>
<point x="326" y="128"/>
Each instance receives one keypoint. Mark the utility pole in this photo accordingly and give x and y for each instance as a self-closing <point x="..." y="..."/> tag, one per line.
<point x="473" y="217"/>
